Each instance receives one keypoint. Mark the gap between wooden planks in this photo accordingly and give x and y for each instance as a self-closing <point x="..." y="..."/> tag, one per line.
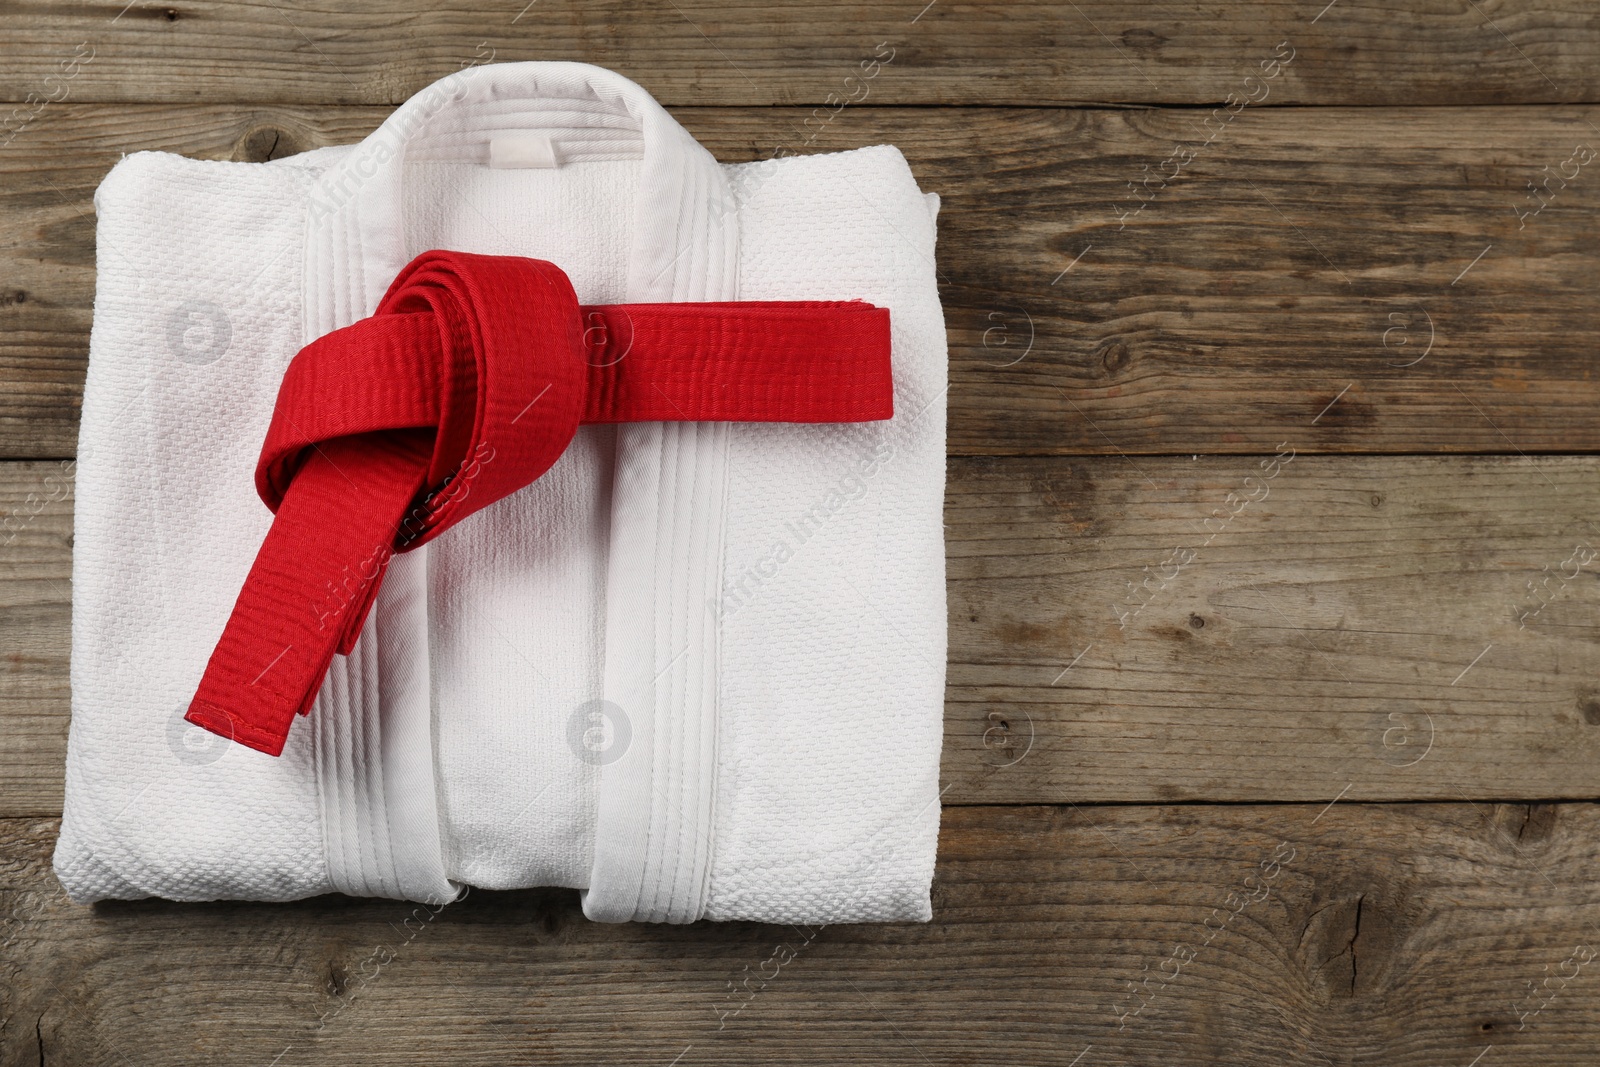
<point x="1350" y="280"/>
<point x="1156" y="629"/>
<point x="1406" y="935"/>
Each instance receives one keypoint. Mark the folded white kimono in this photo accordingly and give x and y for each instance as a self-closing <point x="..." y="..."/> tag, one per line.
<point x="696" y="670"/>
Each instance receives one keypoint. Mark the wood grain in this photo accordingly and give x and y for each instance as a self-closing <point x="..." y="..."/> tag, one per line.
<point x="1246" y="935"/>
<point x="35" y="633"/>
<point x="1197" y="628"/>
<point x="1354" y="279"/>
<point x="703" y="53"/>
<point x="1355" y="630"/>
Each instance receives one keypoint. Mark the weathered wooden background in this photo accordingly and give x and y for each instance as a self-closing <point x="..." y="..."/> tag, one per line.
<point x="1371" y="668"/>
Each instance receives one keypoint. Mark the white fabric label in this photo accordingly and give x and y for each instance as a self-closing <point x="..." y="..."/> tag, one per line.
<point x="508" y="151"/>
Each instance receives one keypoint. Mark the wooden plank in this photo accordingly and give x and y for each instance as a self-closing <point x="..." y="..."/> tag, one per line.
<point x="1227" y="934"/>
<point x="1386" y="627"/>
<point x="1201" y="628"/>
<point x="702" y="53"/>
<point x="35" y="633"/>
<point x="1355" y="280"/>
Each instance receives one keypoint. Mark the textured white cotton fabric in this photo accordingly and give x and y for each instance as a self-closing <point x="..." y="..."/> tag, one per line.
<point x="833" y="603"/>
<point x="696" y="670"/>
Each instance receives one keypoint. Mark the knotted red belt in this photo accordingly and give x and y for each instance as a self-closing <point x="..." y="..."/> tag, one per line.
<point x="465" y="385"/>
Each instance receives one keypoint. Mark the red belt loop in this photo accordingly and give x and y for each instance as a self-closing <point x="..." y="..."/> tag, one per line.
<point x="465" y="385"/>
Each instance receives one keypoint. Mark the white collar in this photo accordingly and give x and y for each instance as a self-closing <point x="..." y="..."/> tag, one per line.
<point x="685" y="242"/>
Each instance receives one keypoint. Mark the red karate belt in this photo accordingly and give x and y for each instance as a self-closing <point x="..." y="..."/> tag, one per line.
<point x="465" y="385"/>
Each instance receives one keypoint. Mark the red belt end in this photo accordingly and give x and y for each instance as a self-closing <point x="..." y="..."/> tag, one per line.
<point x="222" y="722"/>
